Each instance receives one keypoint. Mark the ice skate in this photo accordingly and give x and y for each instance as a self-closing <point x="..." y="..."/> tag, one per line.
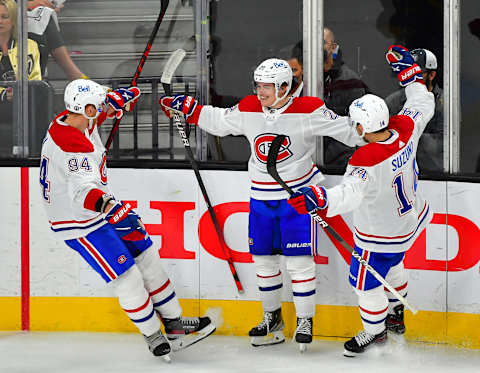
<point x="183" y="332"/>
<point x="272" y="323"/>
<point x="394" y="321"/>
<point x="158" y="345"/>
<point x="362" y="341"/>
<point x="303" y="333"/>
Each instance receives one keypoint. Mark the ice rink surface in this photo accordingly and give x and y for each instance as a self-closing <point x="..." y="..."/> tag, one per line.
<point x="38" y="352"/>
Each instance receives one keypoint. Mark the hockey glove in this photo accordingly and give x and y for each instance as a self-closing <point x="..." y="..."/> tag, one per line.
<point x="128" y="224"/>
<point x="309" y="199"/>
<point x="183" y="105"/>
<point x="122" y="99"/>
<point x="402" y="63"/>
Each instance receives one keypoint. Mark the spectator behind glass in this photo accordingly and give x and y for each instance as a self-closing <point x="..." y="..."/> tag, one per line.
<point x="9" y="68"/>
<point x="430" y="146"/>
<point x="296" y="64"/>
<point x="44" y="29"/>
<point x="341" y="86"/>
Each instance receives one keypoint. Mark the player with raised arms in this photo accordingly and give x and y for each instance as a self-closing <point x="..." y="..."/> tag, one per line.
<point x="275" y="228"/>
<point x="380" y="186"/>
<point x="107" y="232"/>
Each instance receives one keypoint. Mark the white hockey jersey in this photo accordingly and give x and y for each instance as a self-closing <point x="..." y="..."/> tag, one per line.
<point x="301" y="119"/>
<point x="380" y="183"/>
<point x="72" y="164"/>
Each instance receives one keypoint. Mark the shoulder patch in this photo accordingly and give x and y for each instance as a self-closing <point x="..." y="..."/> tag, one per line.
<point x="360" y="173"/>
<point x="69" y="139"/>
<point x="250" y="104"/>
<point x="304" y="105"/>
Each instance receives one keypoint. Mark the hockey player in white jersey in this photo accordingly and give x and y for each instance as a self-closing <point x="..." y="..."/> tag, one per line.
<point x="274" y="227"/>
<point x="107" y="232"/>
<point x="380" y="186"/>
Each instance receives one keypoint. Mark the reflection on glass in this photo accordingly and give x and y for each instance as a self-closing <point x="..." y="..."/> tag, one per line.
<point x="8" y="35"/>
<point x="342" y="85"/>
<point x="12" y="139"/>
<point x="43" y="27"/>
<point x="361" y="36"/>
<point x="243" y="34"/>
<point x="469" y="87"/>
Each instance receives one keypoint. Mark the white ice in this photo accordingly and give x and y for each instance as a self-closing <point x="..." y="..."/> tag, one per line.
<point x="43" y="352"/>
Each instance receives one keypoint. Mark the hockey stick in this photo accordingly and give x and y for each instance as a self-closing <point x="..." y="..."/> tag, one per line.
<point x="170" y="67"/>
<point x="272" y="171"/>
<point x="163" y="9"/>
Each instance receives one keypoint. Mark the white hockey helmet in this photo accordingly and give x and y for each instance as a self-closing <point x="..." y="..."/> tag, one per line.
<point x="371" y="112"/>
<point x="276" y="71"/>
<point x="82" y="92"/>
<point x="425" y="59"/>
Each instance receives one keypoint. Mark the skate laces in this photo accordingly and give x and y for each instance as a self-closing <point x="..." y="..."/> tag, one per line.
<point x="304" y="327"/>
<point x="364" y="338"/>
<point x="267" y="318"/>
<point x="190" y="321"/>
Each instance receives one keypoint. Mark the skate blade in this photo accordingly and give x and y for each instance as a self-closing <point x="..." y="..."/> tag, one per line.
<point x="397" y="338"/>
<point x="268" y="340"/>
<point x="166" y="358"/>
<point x="190" y="339"/>
<point x="302" y="347"/>
<point x="347" y="353"/>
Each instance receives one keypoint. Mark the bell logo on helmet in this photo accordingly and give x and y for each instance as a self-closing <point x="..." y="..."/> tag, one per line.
<point x="83" y="89"/>
<point x="358" y="104"/>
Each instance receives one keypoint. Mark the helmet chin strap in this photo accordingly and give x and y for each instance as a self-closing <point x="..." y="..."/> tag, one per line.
<point x="363" y="132"/>
<point x="91" y="120"/>
<point x="278" y="99"/>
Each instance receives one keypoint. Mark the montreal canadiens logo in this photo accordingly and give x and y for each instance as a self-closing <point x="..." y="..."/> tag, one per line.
<point x="262" y="146"/>
<point x="121" y="259"/>
<point x="103" y="169"/>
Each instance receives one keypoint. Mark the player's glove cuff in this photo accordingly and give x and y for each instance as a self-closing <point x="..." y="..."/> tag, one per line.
<point x="410" y="75"/>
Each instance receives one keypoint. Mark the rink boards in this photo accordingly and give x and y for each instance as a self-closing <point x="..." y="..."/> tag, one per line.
<point x="46" y="286"/>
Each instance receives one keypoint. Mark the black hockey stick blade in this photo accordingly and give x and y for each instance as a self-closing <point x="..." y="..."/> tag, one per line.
<point x="272" y="162"/>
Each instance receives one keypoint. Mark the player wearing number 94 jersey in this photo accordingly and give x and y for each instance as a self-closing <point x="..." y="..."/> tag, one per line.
<point x="108" y="233"/>
<point x="380" y="186"/>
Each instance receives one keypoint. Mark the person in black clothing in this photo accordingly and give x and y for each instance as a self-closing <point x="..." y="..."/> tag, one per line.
<point x="341" y="86"/>
<point x="296" y="64"/>
<point x="43" y="28"/>
<point x="430" y="146"/>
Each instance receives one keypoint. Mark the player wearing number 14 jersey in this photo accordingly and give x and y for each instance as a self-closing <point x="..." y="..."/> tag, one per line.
<point x="106" y="232"/>
<point x="380" y="186"/>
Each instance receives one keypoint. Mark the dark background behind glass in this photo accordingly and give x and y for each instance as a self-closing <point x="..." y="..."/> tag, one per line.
<point x="469" y="87"/>
<point x="243" y="34"/>
<point x="364" y="30"/>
